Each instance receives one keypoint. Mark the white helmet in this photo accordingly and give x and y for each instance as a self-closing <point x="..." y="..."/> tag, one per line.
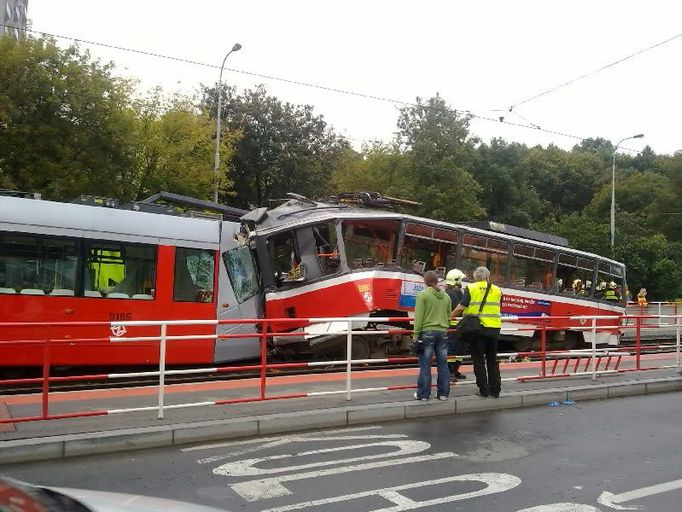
<point x="454" y="277"/>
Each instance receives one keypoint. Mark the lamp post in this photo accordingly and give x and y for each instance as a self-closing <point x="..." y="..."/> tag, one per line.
<point x="613" y="187"/>
<point x="216" y="162"/>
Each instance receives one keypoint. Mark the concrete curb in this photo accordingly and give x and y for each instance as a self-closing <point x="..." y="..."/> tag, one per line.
<point x="96" y="443"/>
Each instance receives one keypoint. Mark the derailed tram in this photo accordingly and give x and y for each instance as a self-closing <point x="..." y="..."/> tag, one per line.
<point x="339" y="259"/>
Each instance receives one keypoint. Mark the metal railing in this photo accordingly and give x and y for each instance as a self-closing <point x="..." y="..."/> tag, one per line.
<point x="583" y="362"/>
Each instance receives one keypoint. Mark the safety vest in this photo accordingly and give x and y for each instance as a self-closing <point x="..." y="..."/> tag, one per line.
<point x="610" y="295"/>
<point x="490" y="315"/>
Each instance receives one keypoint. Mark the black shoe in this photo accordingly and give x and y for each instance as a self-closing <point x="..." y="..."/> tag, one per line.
<point x="484" y="395"/>
<point x="495" y="395"/>
<point x="460" y="376"/>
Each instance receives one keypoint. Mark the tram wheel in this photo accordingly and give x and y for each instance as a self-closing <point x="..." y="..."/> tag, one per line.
<point x="361" y="348"/>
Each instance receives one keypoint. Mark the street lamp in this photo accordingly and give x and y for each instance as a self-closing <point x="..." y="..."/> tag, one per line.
<point x="216" y="162"/>
<point x="613" y="187"/>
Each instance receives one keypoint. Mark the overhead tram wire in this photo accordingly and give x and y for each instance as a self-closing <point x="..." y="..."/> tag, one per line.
<point x="303" y="84"/>
<point x="593" y="72"/>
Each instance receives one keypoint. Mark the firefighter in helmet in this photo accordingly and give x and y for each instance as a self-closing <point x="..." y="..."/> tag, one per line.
<point x="611" y="293"/>
<point x="578" y="287"/>
<point x="453" y="287"/>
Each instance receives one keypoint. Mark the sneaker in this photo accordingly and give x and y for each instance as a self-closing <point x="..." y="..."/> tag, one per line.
<point x="460" y="376"/>
<point x="480" y="393"/>
<point x="495" y="395"/>
<point x="416" y="397"/>
<point x="443" y="398"/>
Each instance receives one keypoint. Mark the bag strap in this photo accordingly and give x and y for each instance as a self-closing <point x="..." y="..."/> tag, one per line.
<point x="480" y="308"/>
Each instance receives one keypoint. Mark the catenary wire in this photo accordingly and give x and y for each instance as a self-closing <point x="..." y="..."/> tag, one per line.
<point x="305" y="84"/>
<point x="593" y="72"/>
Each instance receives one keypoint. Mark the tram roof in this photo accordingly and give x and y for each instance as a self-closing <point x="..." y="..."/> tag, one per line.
<point x="81" y="221"/>
<point x="294" y="213"/>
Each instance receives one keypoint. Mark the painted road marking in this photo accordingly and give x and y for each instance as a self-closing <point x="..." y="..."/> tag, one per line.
<point x="265" y="488"/>
<point x="561" y="507"/>
<point x="246" y="467"/>
<point x="495" y="483"/>
<point x="612" y="500"/>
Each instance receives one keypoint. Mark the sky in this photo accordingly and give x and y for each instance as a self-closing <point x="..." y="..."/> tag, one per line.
<point x="481" y="56"/>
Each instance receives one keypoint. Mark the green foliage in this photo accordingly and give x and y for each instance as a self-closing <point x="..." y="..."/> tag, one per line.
<point x="174" y="149"/>
<point x="64" y="121"/>
<point x="283" y="147"/>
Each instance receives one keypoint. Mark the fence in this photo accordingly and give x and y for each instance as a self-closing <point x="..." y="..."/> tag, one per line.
<point x="583" y="362"/>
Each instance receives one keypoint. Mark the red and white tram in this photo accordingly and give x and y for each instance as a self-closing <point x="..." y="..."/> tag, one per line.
<point x="337" y="260"/>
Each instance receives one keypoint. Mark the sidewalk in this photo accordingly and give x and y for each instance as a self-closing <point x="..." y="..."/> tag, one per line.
<point x="52" y="439"/>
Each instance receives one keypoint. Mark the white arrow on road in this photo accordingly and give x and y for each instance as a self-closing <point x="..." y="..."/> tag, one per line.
<point x="612" y="500"/>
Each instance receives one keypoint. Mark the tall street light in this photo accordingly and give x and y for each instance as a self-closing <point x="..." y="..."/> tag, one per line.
<point x="613" y="187"/>
<point x="216" y="162"/>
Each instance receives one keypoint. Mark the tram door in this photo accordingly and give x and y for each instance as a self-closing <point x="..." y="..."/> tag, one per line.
<point x="239" y="297"/>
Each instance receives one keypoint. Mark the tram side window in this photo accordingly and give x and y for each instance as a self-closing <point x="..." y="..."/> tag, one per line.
<point x="242" y="271"/>
<point x="35" y="265"/>
<point x="370" y="243"/>
<point x="286" y="261"/>
<point x="532" y="267"/>
<point x="607" y="276"/>
<point x="481" y="251"/>
<point x="427" y="248"/>
<point x="571" y="268"/>
<point x="327" y="248"/>
<point x="119" y="271"/>
<point x="194" y="275"/>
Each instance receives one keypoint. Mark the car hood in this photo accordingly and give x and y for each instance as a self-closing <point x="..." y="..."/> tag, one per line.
<point x="104" y="501"/>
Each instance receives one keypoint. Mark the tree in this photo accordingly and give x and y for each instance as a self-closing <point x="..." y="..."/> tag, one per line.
<point x="439" y="153"/>
<point x="283" y="147"/>
<point x="65" y="121"/>
<point x="174" y="149"/>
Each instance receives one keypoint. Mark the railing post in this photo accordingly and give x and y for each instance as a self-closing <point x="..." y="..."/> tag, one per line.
<point x="543" y="349"/>
<point x="677" y="339"/>
<point x="349" y="358"/>
<point x="638" y="341"/>
<point x="162" y="369"/>
<point x="263" y="358"/>
<point x="659" y="314"/>
<point x="594" y="349"/>
<point x="46" y="379"/>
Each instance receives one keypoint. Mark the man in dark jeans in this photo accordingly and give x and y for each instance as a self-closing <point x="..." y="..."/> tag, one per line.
<point x="431" y="318"/>
<point x="484" y="346"/>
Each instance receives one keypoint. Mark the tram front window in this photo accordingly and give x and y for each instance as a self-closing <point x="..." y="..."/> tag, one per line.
<point x="370" y="244"/>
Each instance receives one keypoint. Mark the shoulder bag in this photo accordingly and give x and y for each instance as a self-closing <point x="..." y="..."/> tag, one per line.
<point x="470" y="325"/>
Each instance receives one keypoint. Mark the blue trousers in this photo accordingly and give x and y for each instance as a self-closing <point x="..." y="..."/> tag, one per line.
<point x="433" y="342"/>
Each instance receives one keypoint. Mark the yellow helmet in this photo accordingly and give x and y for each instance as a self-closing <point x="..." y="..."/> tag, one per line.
<point x="454" y="277"/>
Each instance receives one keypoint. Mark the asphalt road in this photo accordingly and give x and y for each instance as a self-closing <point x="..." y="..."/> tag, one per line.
<point x="586" y="457"/>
